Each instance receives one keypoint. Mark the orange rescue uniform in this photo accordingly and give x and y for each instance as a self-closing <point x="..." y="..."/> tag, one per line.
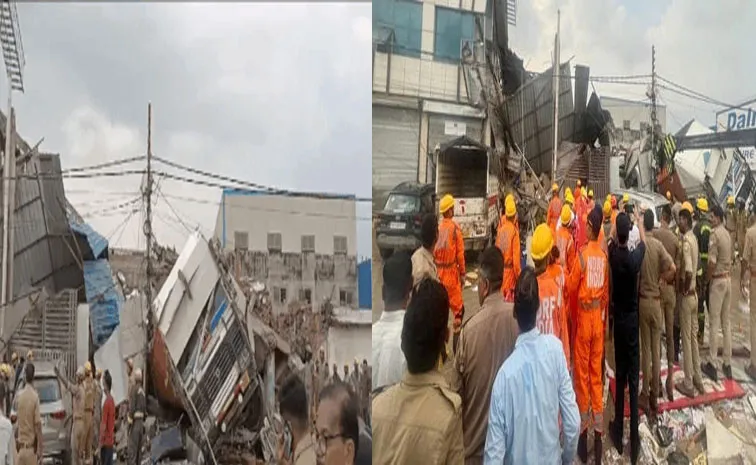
<point x="508" y="241"/>
<point x="450" y="262"/>
<point x="566" y="245"/>
<point x="590" y="279"/>
<point x="552" y="216"/>
<point x="551" y="318"/>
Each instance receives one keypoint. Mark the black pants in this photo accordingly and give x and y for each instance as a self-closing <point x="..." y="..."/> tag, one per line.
<point x="703" y="296"/>
<point x="106" y="455"/>
<point x="627" y="361"/>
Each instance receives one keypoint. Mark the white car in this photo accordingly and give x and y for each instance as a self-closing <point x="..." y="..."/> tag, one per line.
<point x="645" y="200"/>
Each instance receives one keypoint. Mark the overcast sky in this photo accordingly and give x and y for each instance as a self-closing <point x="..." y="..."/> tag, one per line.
<point x="704" y="45"/>
<point x="273" y="94"/>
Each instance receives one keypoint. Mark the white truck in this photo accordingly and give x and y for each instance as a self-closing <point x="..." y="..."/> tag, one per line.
<point x="463" y="170"/>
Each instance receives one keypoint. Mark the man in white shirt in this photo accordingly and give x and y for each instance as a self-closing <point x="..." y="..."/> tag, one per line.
<point x="388" y="359"/>
<point x="633" y="238"/>
<point x="7" y="441"/>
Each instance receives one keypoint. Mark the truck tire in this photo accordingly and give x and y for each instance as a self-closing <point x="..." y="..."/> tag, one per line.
<point x="386" y="253"/>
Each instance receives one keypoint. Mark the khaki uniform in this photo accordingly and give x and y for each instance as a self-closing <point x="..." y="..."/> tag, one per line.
<point x="304" y="454"/>
<point x="668" y="297"/>
<point x="749" y="261"/>
<point x="418" y="421"/>
<point x="87" y="434"/>
<point x="29" y="421"/>
<point x="731" y="225"/>
<point x="77" y="429"/>
<point x="97" y="416"/>
<point x="137" y="408"/>
<point x="423" y="266"/>
<point x="655" y="262"/>
<point x="720" y="253"/>
<point x="742" y="222"/>
<point x="687" y="259"/>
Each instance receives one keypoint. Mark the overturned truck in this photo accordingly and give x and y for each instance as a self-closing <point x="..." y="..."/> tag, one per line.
<point x="201" y="361"/>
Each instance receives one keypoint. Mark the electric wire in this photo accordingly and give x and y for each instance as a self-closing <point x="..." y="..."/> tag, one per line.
<point x="108" y="164"/>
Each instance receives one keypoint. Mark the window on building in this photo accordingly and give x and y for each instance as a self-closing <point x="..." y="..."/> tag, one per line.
<point x="305" y="295"/>
<point x="626" y="125"/>
<point x="241" y="240"/>
<point x="274" y="242"/>
<point x="346" y="297"/>
<point x="308" y="243"/>
<point x="340" y="245"/>
<point x="453" y="28"/>
<point x="398" y="24"/>
<point x="279" y="293"/>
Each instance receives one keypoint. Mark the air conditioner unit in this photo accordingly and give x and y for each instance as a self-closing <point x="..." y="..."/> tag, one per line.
<point x="472" y="52"/>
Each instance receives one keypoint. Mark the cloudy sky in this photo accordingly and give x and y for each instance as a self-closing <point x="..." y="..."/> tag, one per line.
<point x="706" y="46"/>
<point x="273" y="94"/>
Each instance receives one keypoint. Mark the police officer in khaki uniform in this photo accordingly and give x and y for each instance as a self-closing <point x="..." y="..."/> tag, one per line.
<point x="419" y="420"/>
<point x="657" y="265"/>
<point x="88" y="417"/>
<point x="29" y="440"/>
<point x="748" y="266"/>
<point x="685" y="284"/>
<point x="137" y="409"/>
<point x="97" y="414"/>
<point x="718" y="276"/>
<point x="77" y="393"/>
<point x="731" y="223"/>
<point x="668" y="300"/>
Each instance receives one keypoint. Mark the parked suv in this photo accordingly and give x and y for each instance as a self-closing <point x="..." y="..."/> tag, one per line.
<point x="54" y="409"/>
<point x="398" y="224"/>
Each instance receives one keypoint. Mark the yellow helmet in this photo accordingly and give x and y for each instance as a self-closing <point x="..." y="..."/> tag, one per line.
<point x="687" y="206"/>
<point x="590" y="193"/>
<point x="568" y="197"/>
<point x="87" y="368"/>
<point x="555" y="187"/>
<point x="566" y="215"/>
<point x="542" y="242"/>
<point x="702" y="204"/>
<point x="730" y="200"/>
<point x="669" y="195"/>
<point x="607" y="209"/>
<point x="625" y="198"/>
<point x="609" y="197"/>
<point x="446" y="203"/>
<point x="510" y="209"/>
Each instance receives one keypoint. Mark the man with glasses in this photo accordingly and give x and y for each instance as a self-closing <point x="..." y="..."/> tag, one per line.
<point x="419" y="420"/>
<point x="486" y="340"/>
<point x="337" y="428"/>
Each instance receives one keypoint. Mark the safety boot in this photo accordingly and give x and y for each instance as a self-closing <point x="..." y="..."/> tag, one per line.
<point x="685" y="389"/>
<point x="709" y="370"/>
<point x="598" y="447"/>
<point x="583" y="447"/>
<point x="670" y="387"/>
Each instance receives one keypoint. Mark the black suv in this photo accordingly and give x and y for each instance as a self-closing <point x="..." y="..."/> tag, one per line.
<point x="398" y="225"/>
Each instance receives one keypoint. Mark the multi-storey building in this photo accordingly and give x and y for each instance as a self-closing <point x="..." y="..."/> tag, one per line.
<point x="632" y="119"/>
<point x="423" y="94"/>
<point x="303" y="247"/>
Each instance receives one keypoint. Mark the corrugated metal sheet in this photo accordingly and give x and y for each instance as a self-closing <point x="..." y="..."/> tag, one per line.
<point x="97" y="243"/>
<point x="530" y="112"/>
<point x="103" y="298"/>
<point x="53" y="329"/>
<point x="44" y="247"/>
<point x="365" y="284"/>
<point x="396" y="135"/>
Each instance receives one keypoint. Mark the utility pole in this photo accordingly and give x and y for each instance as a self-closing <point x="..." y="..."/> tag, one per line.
<point x="556" y="70"/>
<point x="148" y="251"/>
<point x="653" y="106"/>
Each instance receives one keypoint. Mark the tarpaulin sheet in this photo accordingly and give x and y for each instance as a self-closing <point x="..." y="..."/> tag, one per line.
<point x="724" y="389"/>
<point x="97" y="243"/>
<point x="103" y="298"/>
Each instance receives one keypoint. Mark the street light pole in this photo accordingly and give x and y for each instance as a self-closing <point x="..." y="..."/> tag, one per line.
<point x="13" y="56"/>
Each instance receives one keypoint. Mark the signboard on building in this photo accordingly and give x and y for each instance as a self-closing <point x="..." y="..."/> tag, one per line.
<point x="455" y="128"/>
<point x="737" y="119"/>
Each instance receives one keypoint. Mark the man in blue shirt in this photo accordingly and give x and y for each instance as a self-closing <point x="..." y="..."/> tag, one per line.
<point x="532" y="388"/>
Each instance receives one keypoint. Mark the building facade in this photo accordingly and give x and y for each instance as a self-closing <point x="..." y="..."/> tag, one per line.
<point x="423" y="94"/>
<point x="632" y="119"/>
<point x="304" y="248"/>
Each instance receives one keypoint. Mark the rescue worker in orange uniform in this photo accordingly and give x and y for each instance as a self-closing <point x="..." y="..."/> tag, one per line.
<point x="555" y="208"/>
<point x="508" y="241"/>
<point x="565" y="242"/>
<point x="590" y="280"/>
<point x="591" y="202"/>
<point x="551" y="318"/>
<point x="449" y="255"/>
<point x="615" y="211"/>
<point x="580" y="218"/>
